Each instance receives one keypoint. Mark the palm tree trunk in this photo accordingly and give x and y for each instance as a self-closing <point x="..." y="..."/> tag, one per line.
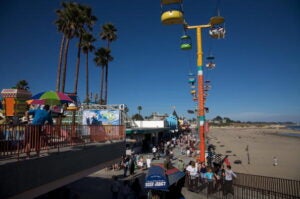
<point x="106" y="75"/>
<point x="87" y="78"/>
<point x="65" y="66"/>
<point x="77" y="66"/>
<point x="102" y="85"/>
<point x="106" y="82"/>
<point x="58" y="76"/>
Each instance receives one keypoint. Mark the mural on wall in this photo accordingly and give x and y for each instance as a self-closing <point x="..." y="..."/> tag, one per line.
<point x="101" y="117"/>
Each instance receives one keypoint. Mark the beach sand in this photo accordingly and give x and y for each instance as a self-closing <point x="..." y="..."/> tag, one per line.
<point x="263" y="144"/>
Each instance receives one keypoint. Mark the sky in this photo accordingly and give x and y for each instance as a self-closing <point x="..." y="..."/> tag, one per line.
<point x="257" y="74"/>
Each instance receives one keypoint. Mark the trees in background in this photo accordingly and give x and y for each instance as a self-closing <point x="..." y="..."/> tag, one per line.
<point x="22" y="84"/>
<point x="108" y="34"/>
<point x="76" y="21"/>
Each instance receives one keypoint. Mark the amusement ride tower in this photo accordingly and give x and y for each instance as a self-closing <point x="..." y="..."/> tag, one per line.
<point x="172" y="13"/>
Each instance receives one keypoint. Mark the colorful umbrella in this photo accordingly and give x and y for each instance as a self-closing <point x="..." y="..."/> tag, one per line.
<point x="35" y="101"/>
<point x="51" y="98"/>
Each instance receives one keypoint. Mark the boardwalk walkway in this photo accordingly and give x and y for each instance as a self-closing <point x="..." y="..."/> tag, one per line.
<point x="98" y="184"/>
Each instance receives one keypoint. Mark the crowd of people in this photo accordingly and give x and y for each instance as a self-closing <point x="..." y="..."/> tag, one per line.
<point x="211" y="175"/>
<point x="215" y="176"/>
<point x="215" y="179"/>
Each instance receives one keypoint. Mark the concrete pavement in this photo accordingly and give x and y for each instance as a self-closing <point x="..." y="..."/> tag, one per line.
<point x="97" y="185"/>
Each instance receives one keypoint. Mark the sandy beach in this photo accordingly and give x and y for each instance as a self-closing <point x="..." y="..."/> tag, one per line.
<point x="263" y="144"/>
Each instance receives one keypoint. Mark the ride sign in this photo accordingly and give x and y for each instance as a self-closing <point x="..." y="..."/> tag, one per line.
<point x="156" y="178"/>
<point x="160" y="183"/>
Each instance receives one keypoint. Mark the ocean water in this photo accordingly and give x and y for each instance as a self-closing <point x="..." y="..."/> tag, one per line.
<point x="296" y="127"/>
<point x="290" y="134"/>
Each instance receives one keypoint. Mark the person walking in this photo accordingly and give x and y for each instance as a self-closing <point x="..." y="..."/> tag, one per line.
<point x="34" y="130"/>
<point x="192" y="176"/>
<point x="148" y="162"/>
<point x="229" y="175"/>
<point x="180" y="165"/>
<point x="226" y="161"/>
<point x="209" y="176"/>
<point x="125" y="165"/>
<point x="275" y="161"/>
<point x="202" y="172"/>
<point x="154" y="152"/>
<point x="132" y="164"/>
<point x="219" y="175"/>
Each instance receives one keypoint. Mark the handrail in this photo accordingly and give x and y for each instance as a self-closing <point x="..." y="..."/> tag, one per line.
<point x="248" y="186"/>
<point x="17" y="140"/>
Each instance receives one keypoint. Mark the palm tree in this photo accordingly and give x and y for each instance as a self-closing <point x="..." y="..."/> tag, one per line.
<point x="96" y="98"/>
<point x="67" y="23"/>
<point x="22" y="84"/>
<point x="137" y="117"/>
<point x="102" y="57"/>
<point x="109" y="34"/>
<point x="61" y="23"/>
<point x="85" y="21"/>
<point x="126" y="109"/>
<point x="139" y="109"/>
<point x="87" y="46"/>
<point x="61" y="26"/>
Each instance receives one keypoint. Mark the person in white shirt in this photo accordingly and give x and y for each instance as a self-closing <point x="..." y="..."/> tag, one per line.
<point x="193" y="175"/>
<point x="229" y="175"/>
<point x="154" y="152"/>
<point x="140" y="162"/>
<point x="188" y="152"/>
<point x="148" y="161"/>
<point x="275" y="161"/>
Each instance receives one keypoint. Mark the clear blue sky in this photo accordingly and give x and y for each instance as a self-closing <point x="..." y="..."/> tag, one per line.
<point x="257" y="76"/>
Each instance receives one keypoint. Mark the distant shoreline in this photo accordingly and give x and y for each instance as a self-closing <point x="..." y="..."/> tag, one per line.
<point x="263" y="143"/>
<point x="270" y="128"/>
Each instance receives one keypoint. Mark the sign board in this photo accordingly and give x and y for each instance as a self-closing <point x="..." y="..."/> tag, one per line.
<point x="101" y="117"/>
<point x="156" y="179"/>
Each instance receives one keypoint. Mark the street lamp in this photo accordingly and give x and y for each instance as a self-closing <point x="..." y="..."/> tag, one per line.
<point x="214" y="21"/>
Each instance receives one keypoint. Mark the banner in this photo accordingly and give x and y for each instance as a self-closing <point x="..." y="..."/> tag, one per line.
<point x="101" y="117"/>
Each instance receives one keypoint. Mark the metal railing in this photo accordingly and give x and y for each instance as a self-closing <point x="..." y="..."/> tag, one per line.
<point x="247" y="186"/>
<point x="269" y="184"/>
<point x="17" y="140"/>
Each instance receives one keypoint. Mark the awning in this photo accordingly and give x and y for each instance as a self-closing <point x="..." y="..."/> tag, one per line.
<point x="156" y="179"/>
<point x="159" y="178"/>
<point x="174" y="175"/>
<point x="145" y="130"/>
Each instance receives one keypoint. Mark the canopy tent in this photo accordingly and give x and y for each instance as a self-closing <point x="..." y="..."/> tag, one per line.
<point x="159" y="178"/>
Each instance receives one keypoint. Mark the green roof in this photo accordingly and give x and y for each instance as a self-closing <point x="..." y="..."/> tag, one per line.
<point x="145" y="130"/>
